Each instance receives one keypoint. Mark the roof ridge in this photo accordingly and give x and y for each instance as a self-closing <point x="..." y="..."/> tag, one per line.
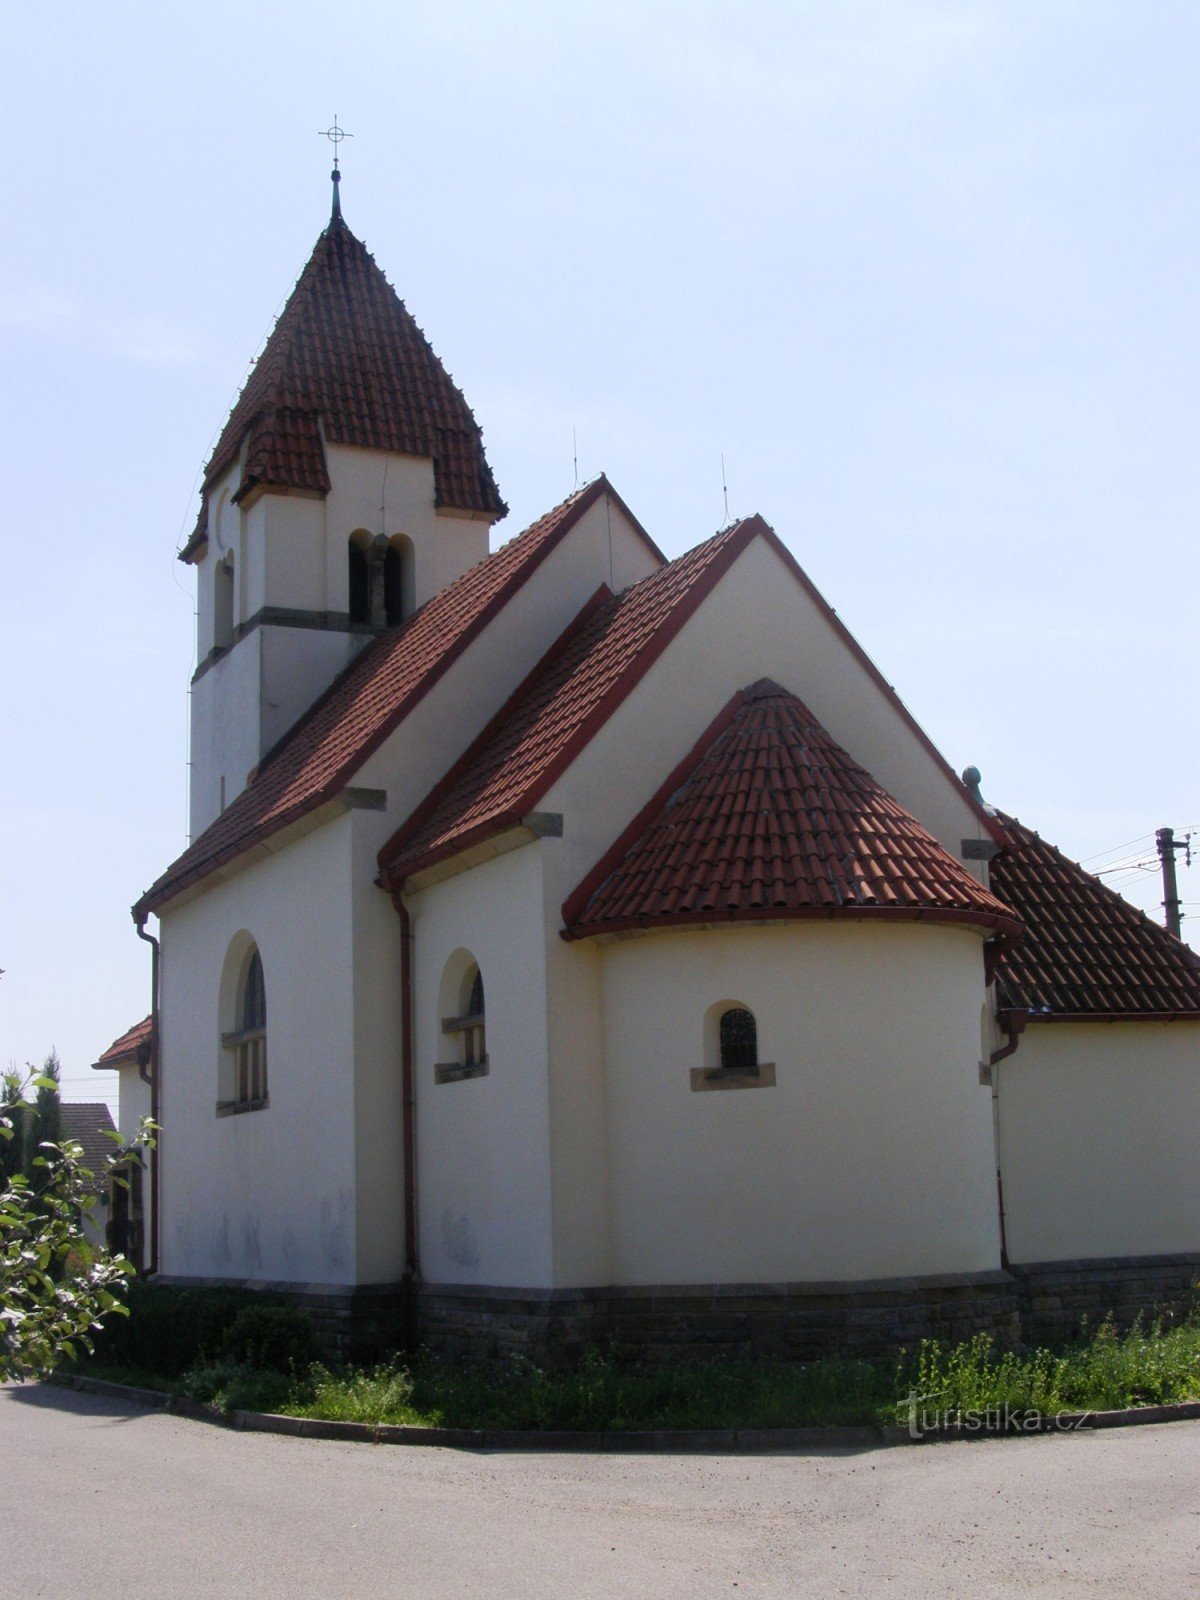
<point x="410" y="850"/>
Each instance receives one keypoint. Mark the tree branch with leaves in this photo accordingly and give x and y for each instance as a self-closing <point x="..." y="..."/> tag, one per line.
<point x="55" y="1286"/>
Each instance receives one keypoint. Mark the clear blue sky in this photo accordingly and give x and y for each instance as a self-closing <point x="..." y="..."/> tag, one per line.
<point x="925" y="273"/>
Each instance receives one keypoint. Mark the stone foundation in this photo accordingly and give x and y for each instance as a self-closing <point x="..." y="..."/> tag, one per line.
<point x="1034" y="1303"/>
<point x="791" y="1322"/>
<point x="1059" y="1297"/>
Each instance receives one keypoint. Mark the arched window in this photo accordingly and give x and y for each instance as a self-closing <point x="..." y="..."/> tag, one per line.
<point x="246" y="1043"/>
<point x="474" y="1041"/>
<point x="360" y="583"/>
<point x="739" y="1040"/>
<point x="464" y="1036"/>
<point x="731" y="1050"/>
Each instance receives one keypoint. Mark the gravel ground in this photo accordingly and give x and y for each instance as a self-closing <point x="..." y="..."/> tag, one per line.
<point x="116" y="1501"/>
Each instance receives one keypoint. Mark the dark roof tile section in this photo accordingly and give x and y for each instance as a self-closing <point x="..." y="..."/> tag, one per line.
<point x="769" y="818"/>
<point x="346" y="357"/>
<point x="87" y="1123"/>
<point x="1086" y="952"/>
<point x="560" y="705"/>
<point x="362" y="706"/>
<point x="126" y="1047"/>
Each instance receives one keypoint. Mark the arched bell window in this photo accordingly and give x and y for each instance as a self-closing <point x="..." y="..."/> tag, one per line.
<point x="360" y="582"/>
<point x="393" y="586"/>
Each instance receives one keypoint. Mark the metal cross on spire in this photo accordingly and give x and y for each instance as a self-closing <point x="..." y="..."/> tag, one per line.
<point x="335" y="135"/>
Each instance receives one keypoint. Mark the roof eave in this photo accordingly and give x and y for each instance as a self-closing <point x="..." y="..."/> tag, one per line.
<point x="983" y="921"/>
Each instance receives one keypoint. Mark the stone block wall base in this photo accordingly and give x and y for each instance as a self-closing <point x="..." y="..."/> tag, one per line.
<point x="1059" y="1299"/>
<point x="1033" y="1303"/>
<point x="797" y="1322"/>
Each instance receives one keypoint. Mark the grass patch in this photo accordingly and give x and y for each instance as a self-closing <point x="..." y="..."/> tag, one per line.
<point x="1148" y="1365"/>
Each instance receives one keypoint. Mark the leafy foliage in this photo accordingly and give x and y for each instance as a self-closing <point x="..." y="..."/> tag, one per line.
<point x="54" y="1285"/>
<point x="272" y="1339"/>
<point x="172" y="1329"/>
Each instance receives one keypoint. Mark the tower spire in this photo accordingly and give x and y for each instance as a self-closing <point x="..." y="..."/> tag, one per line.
<point x="335" y="135"/>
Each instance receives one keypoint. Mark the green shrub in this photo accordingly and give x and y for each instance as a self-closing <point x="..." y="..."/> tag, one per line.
<point x="272" y="1339"/>
<point x="170" y="1329"/>
<point x="233" y="1387"/>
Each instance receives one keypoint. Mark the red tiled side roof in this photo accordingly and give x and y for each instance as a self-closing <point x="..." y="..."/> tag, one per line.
<point x="768" y="817"/>
<point x="347" y="356"/>
<point x="558" y="708"/>
<point x="1087" y="952"/>
<point x="370" y="698"/>
<point x="126" y="1047"/>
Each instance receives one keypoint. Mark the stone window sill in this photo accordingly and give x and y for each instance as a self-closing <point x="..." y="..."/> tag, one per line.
<point x="234" y="1108"/>
<point x="760" y="1077"/>
<point x="455" y="1071"/>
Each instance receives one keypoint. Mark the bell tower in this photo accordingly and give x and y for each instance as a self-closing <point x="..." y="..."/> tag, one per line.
<point x="348" y="485"/>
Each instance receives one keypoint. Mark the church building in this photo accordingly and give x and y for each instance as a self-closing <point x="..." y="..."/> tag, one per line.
<point x="579" y="945"/>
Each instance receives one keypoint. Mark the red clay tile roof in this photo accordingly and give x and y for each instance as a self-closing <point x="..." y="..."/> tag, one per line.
<point x="126" y="1047"/>
<point x="768" y="817"/>
<point x="1087" y="953"/>
<point x="347" y="358"/>
<point x="568" y="696"/>
<point x="314" y="761"/>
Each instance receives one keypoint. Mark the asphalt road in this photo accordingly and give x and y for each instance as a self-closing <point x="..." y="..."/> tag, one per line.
<point x="106" y="1500"/>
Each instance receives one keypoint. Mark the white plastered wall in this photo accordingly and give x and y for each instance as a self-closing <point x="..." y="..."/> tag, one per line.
<point x="483" y="1143"/>
<point x="757" y="622"/>
<point x="870" y="1157"/>
<point x="1098" y="1140"/>
<point x="317" y="882"/>
<point x="266" y="1194"/>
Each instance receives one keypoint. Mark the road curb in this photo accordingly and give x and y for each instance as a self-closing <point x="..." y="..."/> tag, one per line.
<point x="672" y="1441"/>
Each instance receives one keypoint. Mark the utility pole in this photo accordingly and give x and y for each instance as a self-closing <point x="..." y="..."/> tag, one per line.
<point x="1167" y="846"/>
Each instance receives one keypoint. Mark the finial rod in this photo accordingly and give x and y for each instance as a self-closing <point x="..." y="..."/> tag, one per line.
<point x="335" y="135"/>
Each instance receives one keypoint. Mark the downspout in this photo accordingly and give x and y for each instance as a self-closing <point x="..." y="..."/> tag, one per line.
<point x="151" y="1076"/>
<point x="409" y="1122"/>
<point x="1014" y="1026"/>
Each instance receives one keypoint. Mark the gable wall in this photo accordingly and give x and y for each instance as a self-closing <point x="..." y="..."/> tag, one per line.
<point x="1098" y="1140"/>
<point x="758" y="622"/>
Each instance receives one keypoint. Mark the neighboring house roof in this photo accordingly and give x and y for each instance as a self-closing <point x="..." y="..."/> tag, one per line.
<point x="1087" y="955"/>
<point x="552" y="715"/>
<point x="768" y="817"/>
<point x="125" y="1049"/>
<point x="347" y="364"/>
<point x="88" y="1122"/>
<point x="316" y="758"/>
